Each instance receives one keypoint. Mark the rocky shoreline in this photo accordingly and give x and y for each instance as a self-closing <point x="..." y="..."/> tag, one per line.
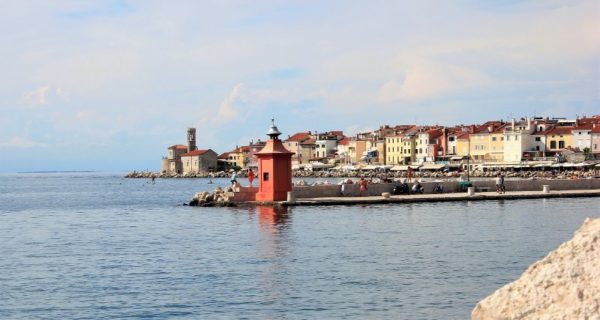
<point x="563" y="285"/>
<point x="547" y="174"/>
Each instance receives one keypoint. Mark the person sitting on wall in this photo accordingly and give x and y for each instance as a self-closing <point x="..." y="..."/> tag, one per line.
<point x="417" y="187"/>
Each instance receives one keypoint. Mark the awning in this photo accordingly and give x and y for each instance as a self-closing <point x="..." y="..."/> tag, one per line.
<point x="404" y="168"/>
<point x="456" y="158"/>
<point x="370" y="167"/>
<point x="319" y="166"/>
<point x="432" y="166"/>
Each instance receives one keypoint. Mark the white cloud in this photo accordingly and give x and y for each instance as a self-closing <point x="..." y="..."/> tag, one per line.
<point x="425" y="79"/>
<point x="36" y="97"/>
<point x="21" y="142"/>
<point x="227" y="110"/>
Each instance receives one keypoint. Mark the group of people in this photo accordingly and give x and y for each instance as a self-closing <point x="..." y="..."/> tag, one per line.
<point x="403" y="188"/>
<point x="234" y="177"/>
<point x="500" y="184"/>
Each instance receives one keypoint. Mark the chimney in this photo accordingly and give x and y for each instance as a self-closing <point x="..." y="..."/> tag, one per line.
<point x="528" y="123"/>
<point x="512" y="124"/>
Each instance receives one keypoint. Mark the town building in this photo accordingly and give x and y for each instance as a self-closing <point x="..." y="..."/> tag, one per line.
<point x="199" y="161"/>
<point x="518" y="138"/>
<point x="595" y="133"/>
<point x="302" y="145"/>
<point x="171" y="164"/>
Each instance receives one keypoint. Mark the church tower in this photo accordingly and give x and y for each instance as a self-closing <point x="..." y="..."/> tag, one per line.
<point x="191" y="138"/>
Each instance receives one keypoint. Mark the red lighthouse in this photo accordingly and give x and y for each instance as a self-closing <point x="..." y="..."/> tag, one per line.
<point x="274" y="169"/>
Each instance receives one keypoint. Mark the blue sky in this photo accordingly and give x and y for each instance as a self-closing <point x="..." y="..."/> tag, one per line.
<point x="108" y="85"/>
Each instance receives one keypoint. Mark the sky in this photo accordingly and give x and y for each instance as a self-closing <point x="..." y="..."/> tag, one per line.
<point x="109" y="85"/>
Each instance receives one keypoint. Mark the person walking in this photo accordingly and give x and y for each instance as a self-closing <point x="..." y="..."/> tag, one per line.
<point x="250" y="176"/>
<point x="362" y="186"/>
<point x="409" y="174"/>
<point x="500" y="184"/>
<point x="233" y="177"/>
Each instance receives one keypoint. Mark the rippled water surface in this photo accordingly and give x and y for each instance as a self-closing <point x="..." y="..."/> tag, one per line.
<point x="90" y="246"/>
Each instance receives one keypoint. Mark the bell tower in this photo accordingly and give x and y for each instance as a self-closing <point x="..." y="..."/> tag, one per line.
<point x="191" y="139"/>
<point x="274" y="168"/>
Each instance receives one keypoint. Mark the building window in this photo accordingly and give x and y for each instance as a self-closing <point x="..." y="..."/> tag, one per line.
<point x="493" y="138"/>
<point x="552" y="144"/>
<point x="538" y="139"/>
<point x="561" y="144"/>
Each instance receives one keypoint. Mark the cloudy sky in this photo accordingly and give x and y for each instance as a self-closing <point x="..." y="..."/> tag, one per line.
<point x="108" y="85"/>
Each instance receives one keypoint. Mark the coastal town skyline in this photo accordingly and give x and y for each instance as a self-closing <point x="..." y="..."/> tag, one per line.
<point x="106" y="85"/>
<point x="538" y="141"/>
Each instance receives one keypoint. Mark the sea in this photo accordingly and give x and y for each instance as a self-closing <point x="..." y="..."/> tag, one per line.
<point x="99" y="246"/>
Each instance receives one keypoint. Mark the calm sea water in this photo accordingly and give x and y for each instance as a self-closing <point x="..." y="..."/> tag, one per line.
<point x="89" y="246"/>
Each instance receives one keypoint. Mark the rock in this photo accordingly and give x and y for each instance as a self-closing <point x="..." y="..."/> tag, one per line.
<point x="563" y="285"/>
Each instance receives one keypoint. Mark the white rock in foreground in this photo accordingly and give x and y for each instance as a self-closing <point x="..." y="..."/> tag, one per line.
<point x="563" y="285"/>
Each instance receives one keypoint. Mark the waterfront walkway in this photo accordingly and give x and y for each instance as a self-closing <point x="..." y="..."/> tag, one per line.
<point x="441" y="197"/>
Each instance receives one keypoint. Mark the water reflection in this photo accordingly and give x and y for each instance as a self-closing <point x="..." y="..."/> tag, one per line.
<point x="275" y="246"/>
<point x="273" y="219"/>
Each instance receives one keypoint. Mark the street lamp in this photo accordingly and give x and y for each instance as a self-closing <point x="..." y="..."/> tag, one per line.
<point x="469" y="158"/>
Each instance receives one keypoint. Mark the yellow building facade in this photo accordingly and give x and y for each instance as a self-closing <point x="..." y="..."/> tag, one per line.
<point x="559" y="138"/>
<point x="394" y="149"/>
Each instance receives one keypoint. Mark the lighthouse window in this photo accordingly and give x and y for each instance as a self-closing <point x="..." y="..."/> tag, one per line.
<point x="265" y="176"/>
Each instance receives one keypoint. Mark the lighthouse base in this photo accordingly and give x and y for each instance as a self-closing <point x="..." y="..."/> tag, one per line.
<point x="271" y="196"/>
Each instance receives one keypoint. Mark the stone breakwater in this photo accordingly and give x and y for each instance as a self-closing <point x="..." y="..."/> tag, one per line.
<point x="217" y="198"/>
<point x="548" y="174"/>
<point x="563" y="285"/>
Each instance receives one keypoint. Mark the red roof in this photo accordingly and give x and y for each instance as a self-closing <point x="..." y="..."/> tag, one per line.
<point x="300" y="136"/>
<point x="223" y="155"/>
<point x="178" y="146"/>
<point x="308" y="141"/>
<point x="434" y="133"/>
<point x="194" y="153"/>
<point x="462" y="136"/>
<point x="559" y="130"/>
<point x="596" y="129"/>
<point x="587" y="126"/>
<point x="344" y="142"/>
<point x="241" y="149"/>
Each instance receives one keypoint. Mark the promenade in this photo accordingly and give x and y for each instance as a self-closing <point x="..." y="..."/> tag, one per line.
<point x="442" y="197"/>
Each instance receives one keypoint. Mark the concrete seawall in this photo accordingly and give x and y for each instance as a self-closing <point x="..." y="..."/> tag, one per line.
<point x="351" y="190"/>
<point x="447" y="197"/>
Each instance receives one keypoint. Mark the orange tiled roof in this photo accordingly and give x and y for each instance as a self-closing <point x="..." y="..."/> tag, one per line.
<point x="178" y="146"/>
<point x="344" y="142"/>
<point x="194" y="153"/>
<point x="559" y="130"/>
<point x="300" y="136"/>
<point x="223" y="155"/>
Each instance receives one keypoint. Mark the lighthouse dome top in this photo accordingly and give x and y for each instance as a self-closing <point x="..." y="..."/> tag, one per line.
<point x="273" y="131"/>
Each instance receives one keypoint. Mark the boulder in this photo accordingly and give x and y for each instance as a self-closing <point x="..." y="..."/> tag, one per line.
<point x="563" y="285"/>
